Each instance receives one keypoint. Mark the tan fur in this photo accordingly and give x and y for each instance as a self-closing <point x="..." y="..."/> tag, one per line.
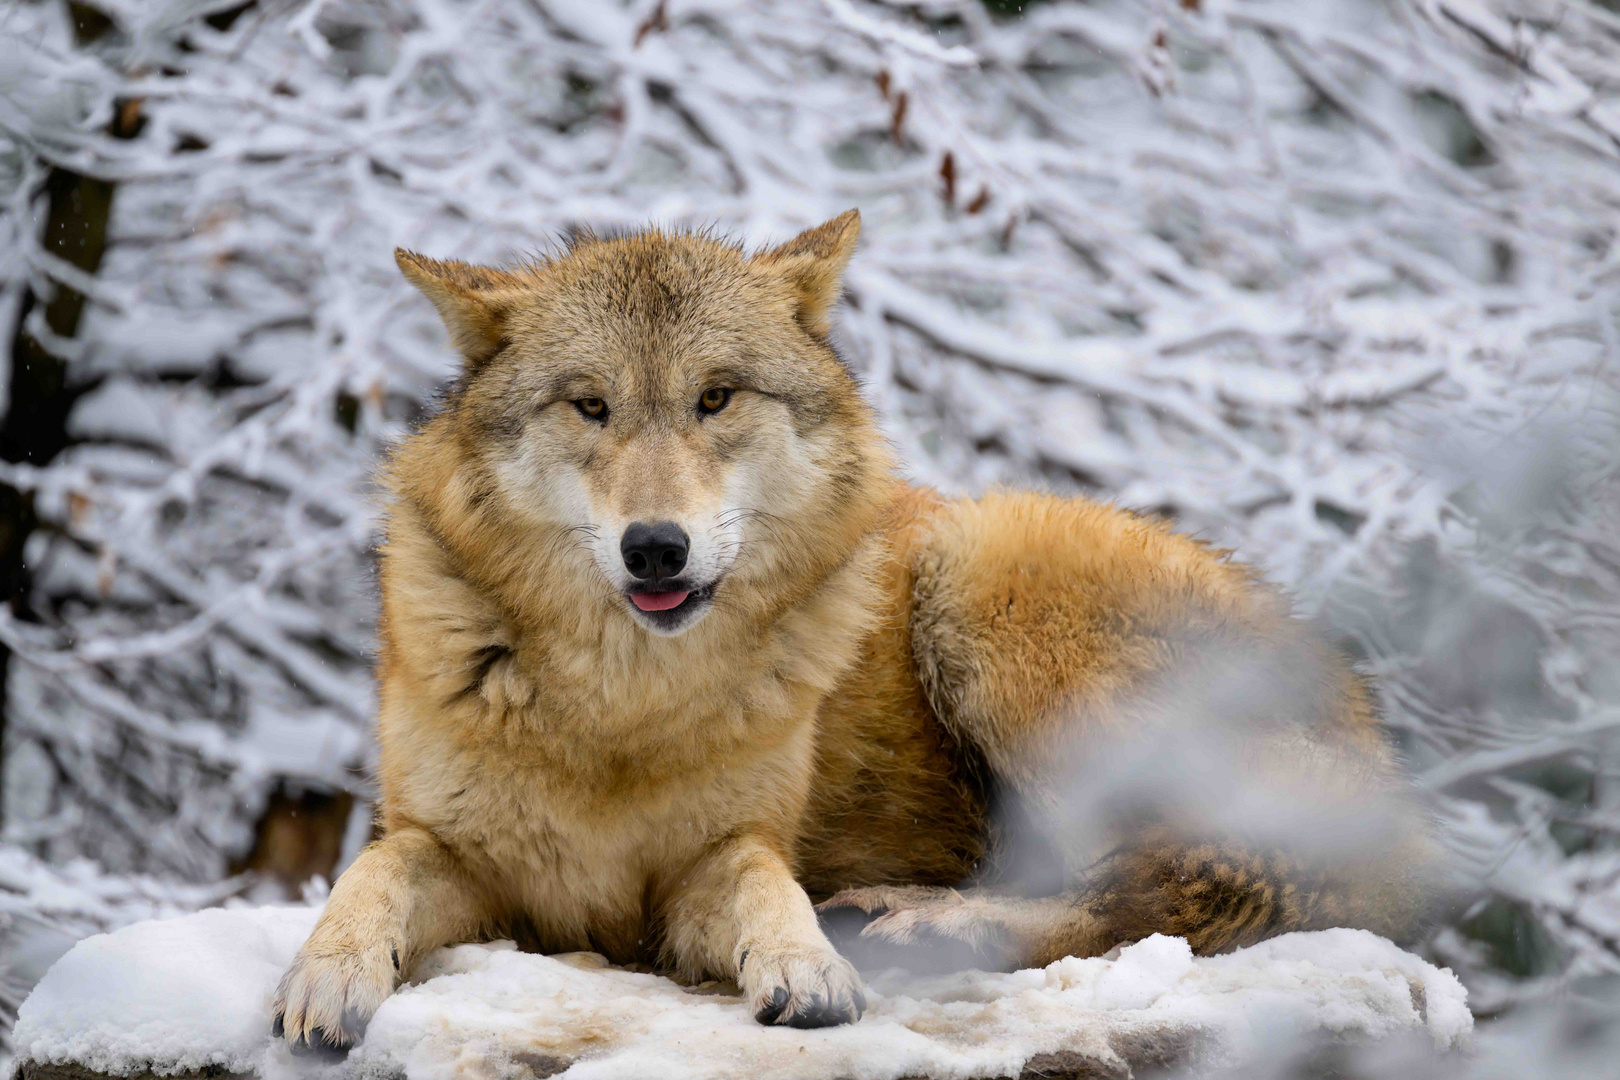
<point x="874" y="663"/>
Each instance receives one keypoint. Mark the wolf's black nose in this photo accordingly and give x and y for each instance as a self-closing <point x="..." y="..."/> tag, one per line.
<point x="654" y="551"/>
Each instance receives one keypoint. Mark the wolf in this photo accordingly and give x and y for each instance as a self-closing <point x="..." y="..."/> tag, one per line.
<point x="670" y="652"/>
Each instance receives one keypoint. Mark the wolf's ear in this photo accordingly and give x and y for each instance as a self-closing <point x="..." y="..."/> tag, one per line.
<point x="473" y="301"/>
<point x="813" y="263"/>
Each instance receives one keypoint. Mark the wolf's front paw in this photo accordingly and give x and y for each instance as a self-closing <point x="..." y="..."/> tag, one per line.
<point x="802" y="987"/>
<point x="329" y="995"/>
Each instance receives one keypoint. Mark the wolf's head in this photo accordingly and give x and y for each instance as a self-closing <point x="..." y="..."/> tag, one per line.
<point x="663" y="406"/>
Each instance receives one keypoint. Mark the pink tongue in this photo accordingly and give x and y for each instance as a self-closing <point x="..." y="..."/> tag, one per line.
<point x="657" y="601"/>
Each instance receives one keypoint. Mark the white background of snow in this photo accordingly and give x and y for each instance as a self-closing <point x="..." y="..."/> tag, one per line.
<point x="192" y="991"/>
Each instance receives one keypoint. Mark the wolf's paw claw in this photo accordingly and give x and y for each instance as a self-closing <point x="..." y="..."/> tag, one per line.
<point x="319" y="1045"/>
<point x="327" y="998"/>
<point x="802" y="988"/>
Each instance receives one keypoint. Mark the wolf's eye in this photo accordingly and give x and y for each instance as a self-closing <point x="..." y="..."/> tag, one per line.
<point x="592" y="408"/>
<point x="713" y="400"/>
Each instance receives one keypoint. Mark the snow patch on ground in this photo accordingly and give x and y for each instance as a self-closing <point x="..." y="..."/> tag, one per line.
<point x="186" y="993"/>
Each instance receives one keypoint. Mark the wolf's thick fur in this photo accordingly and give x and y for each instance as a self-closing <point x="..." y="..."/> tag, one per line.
<point x="862" y="670"/>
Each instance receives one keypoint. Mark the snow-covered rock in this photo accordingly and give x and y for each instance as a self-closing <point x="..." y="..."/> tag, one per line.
<point x="193" y="993"/>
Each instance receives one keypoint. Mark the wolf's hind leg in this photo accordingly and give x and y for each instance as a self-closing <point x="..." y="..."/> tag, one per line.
<point x="1011" y="930"/>
<point x="1217" y="895"/>
<point x="405" y="895"/>
<point x="1217" y="900"/>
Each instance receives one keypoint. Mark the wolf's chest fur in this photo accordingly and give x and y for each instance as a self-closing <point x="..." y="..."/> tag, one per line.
<point x="579" y="772"/>
<point x="578" y="857"/>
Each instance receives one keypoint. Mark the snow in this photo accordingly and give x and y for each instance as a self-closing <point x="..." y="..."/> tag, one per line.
<point x="186" y="993"/>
